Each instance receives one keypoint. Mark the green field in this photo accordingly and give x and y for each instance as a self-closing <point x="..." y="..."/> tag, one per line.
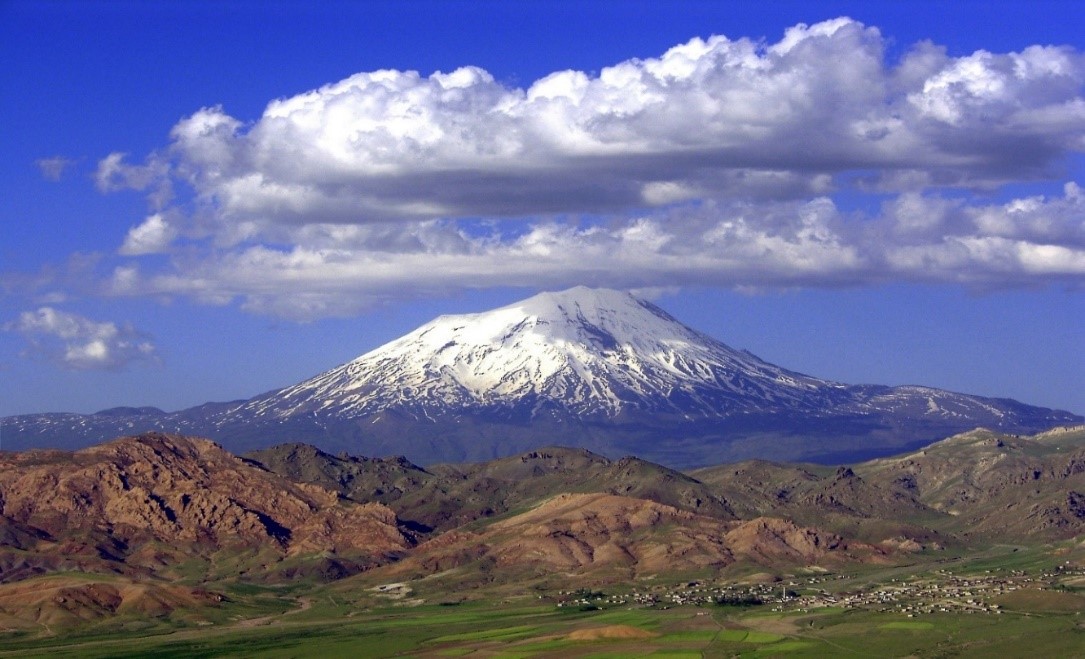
<point x="518" y="630"/>
<point x="1035" y="612"/>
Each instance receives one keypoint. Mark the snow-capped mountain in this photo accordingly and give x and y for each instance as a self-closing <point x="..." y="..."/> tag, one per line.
<point x="596" y="368"/>
<point x="588" y="353"/>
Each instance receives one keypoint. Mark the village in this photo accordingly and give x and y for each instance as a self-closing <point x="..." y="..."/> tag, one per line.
<point x="937" y="592"/>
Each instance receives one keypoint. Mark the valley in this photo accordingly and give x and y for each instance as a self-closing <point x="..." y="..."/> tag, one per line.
<point x="1019" y="603"/>
<point x="969" y="545"/>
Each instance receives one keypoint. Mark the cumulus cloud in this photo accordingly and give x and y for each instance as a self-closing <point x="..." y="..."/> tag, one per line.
<point x="721" y="161"/>
<point x="152" y="236"/>
<point x="335" y="270"/>
<point x="78" y="343"/>
<point x="709" y="118"/>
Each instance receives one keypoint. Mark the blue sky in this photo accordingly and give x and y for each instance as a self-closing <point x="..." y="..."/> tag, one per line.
<point x="205" y="201"/>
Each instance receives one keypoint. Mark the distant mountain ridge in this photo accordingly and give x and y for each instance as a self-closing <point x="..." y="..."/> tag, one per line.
<point x="595" y="368"/>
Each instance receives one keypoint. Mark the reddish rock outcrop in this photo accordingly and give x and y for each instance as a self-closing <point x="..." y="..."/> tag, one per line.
<point x="153" y="500"/>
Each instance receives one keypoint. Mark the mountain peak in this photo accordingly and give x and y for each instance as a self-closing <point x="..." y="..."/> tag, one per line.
<point x="599" y="312"/>
<point x="597" y="368"/>
<point x="582" y="352"/>
<point x="605" y="317"/>
<point x="578" y="297"/>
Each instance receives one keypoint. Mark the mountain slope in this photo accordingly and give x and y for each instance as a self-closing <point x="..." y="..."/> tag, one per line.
<point x="879" y="511"/>
<point x="145" y="505"/>
<point x="585" y="534"/>
<point x="599" y="369"/>
<point x="143" y="525"/>
<point x="444" y="497"/>
<point x="582" y="353"/>
<point x="979" y="484"/>
<point x="996" y="484"/>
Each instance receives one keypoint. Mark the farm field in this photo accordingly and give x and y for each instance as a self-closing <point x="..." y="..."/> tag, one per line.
<point x="1014" y="612"/>
<point x="542" y="631"/>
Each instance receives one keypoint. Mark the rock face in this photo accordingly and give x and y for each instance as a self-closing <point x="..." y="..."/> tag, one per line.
<point x="976" y="485"/>
<point x="573" y="531"/>
<point x="996" y="484"/>
<point x="771" y="541"/>
<point x="595" y="368"/>
<point x="143" y="503"/>
<point x="586" y="533"/>
<point x="446" y="496"/>
<point x="60" y="602"/>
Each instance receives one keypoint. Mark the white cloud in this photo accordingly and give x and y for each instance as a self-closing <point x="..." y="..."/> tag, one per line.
<point x="1018" y="90"/>
<point x="335" y="270"/>
<point x="53" y="168"/>
<point x="709" y="117"/>
<point x="1059" y="221"/>
<point x="78" y="343"/>
<point x="152" y="236"/>
<point x="114" y="174"/>
<point x="722" y="161"/>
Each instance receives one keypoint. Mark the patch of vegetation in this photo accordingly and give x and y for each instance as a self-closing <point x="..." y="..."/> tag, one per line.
<point x="504" y="630"/>
<point x="505" y="633"/>
<point x="739" y="601"/>
<point x="907" y="624"/>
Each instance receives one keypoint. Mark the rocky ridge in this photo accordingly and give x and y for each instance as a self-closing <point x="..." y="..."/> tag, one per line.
<point x="142" y="504"/>
<point x="150" y="520"/>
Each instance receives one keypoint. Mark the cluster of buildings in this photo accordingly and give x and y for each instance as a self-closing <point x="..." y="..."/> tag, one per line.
<point x="938" y="592"/>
